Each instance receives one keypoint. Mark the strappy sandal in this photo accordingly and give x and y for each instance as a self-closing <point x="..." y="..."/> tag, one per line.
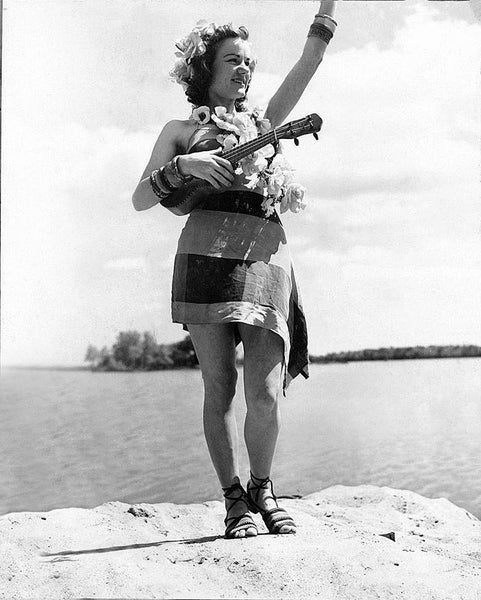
<point x="275" y="518"/>
<point x="241" y="522"/>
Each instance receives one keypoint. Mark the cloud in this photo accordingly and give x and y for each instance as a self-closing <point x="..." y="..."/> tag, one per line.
<point x="388" y="248"/>
<point x="134" y="263"/>
<point x="68" y="229"/>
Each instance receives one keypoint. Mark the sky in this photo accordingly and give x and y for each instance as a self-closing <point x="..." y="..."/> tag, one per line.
<point x="388" y="250"/>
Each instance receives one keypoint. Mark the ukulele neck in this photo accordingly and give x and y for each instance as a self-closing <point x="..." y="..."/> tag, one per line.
<point x="237" y="153"/>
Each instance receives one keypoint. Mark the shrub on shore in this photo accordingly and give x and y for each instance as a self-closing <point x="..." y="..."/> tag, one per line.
<point x="134" y="351"/>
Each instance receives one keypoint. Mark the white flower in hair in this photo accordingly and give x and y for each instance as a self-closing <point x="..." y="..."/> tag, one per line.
<point x="188" y="47"/>
<point x="181" y="72"/>
<point x="193" y="43"/>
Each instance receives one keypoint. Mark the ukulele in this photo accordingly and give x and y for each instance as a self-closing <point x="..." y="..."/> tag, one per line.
<point x="187" y="197"/>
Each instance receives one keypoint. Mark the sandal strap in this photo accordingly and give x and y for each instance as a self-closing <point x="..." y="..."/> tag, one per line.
<point x="239" y="523"/>
<point x="242" y="497"/>
<point x="276" y="518"/>
<point x="262" y="485"/>
<point x="232" y="488"/>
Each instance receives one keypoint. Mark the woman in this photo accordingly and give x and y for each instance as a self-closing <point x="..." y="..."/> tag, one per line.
<point x="233" y="279"/>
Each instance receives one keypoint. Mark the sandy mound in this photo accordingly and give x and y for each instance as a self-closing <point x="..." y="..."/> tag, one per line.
<point x="177" y="551"/>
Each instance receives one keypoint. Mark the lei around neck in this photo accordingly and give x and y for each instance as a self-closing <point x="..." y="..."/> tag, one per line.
<point x="265" y="168"/>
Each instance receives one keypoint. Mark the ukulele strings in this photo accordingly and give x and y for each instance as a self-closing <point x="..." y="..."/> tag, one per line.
<point x="239" y="152"/>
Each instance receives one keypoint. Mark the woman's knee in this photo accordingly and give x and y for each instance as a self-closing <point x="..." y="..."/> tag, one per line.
<point x="263" y="398"/>
<point x="220" y="385"/>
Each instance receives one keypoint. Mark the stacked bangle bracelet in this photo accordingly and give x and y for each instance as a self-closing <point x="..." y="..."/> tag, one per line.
<point x="321" y="31"/>
<point x="167" y="179"/>
<point x="328" y="17"/>
<point x="159" y="184"/>
<point x="173" y="174"/>
<point x="323" y="28"/>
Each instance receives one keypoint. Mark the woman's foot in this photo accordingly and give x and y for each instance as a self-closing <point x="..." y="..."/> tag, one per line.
<point x="261" y="498"/>
<point x="238" y="521"/>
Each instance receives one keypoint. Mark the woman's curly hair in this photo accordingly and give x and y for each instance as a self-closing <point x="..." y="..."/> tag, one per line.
<point x="197" y="86"/>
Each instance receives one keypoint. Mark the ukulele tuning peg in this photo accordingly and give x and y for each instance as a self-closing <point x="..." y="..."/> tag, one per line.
<point x="316" y="137"/>
<point x="296" y="141"/>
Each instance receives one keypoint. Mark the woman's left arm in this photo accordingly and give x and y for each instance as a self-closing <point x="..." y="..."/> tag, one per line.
<point x="291" y="89"/>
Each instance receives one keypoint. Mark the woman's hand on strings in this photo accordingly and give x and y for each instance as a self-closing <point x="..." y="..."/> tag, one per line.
<point x="208" y="165"/>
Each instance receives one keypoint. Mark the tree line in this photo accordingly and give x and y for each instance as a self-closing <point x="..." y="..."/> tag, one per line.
<point x="133" y="351"/>
<point x="407" y="352"/>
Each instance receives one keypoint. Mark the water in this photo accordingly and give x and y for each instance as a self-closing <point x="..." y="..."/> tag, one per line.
<point x="74" y="438"/>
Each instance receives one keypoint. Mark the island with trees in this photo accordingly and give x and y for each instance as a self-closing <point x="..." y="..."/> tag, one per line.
<point x="135" y="351"/>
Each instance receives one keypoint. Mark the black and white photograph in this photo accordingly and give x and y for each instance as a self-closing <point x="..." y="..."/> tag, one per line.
<point x="241" y="299"/>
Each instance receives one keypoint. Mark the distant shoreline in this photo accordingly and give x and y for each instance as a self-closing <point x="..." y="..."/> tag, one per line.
<point x="321" y="360"/>
<point x="134" y="351"/>
<point x="401" y="353"/>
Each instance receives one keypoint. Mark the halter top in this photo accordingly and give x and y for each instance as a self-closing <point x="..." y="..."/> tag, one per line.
<point x="204" y="138"/>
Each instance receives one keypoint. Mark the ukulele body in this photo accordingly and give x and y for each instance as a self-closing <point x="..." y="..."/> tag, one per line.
<point x="186" y="198"/>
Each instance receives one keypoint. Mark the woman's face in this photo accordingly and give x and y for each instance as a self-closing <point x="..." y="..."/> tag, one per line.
<point x="232" y="71"/>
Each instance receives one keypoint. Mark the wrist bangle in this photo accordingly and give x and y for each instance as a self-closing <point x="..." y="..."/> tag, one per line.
<point x="165" y="183"/>
<point x="324" y="16"/>
<point x="320" y="31"/>
<point x="175" y="165"/>
<point x="155" y="188"/>
<point x="172" y="173"/>
<point x="159" y="185"/>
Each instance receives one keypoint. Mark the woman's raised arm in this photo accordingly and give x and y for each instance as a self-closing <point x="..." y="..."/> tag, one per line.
<point x="291" y="89"/>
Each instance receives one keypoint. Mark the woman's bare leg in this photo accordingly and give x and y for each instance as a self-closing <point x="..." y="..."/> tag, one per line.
<point x="263" y="360"/>
<point x="215" y="348"/>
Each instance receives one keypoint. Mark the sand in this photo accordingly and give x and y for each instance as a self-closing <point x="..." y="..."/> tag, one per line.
<point x="178" y="551"/>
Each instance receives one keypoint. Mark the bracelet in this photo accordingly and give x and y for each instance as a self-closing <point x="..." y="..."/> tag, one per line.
<point x="155" y="188"/>
<point x="178" y="174"/>
<point x="158" y="185"/>
<point x="165" y="182"/>
<point x="157" y="191"/>
<point x="326" y="17"/>
<point x="320" y="31"/>
<point x="172" y="173"/>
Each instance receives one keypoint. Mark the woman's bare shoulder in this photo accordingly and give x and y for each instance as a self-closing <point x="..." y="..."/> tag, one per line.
<point x="180" y="131"/>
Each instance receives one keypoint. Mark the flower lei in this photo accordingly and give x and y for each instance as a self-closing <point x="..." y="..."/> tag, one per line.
<point x="263" y="168"/>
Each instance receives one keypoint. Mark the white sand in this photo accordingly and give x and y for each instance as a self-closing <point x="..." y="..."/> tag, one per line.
<point x="178" y="551"/>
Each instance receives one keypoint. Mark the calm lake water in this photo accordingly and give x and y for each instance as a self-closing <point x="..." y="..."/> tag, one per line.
<point x="82" y="439"/>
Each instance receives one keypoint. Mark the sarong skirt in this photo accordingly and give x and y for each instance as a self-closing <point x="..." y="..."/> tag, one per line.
<point x="233" y="265"/>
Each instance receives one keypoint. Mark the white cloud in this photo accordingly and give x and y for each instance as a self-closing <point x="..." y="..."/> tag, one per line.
<point x="133" y="263"/>
<point x="390" y="244"/>
<point x="388" y="248"/>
